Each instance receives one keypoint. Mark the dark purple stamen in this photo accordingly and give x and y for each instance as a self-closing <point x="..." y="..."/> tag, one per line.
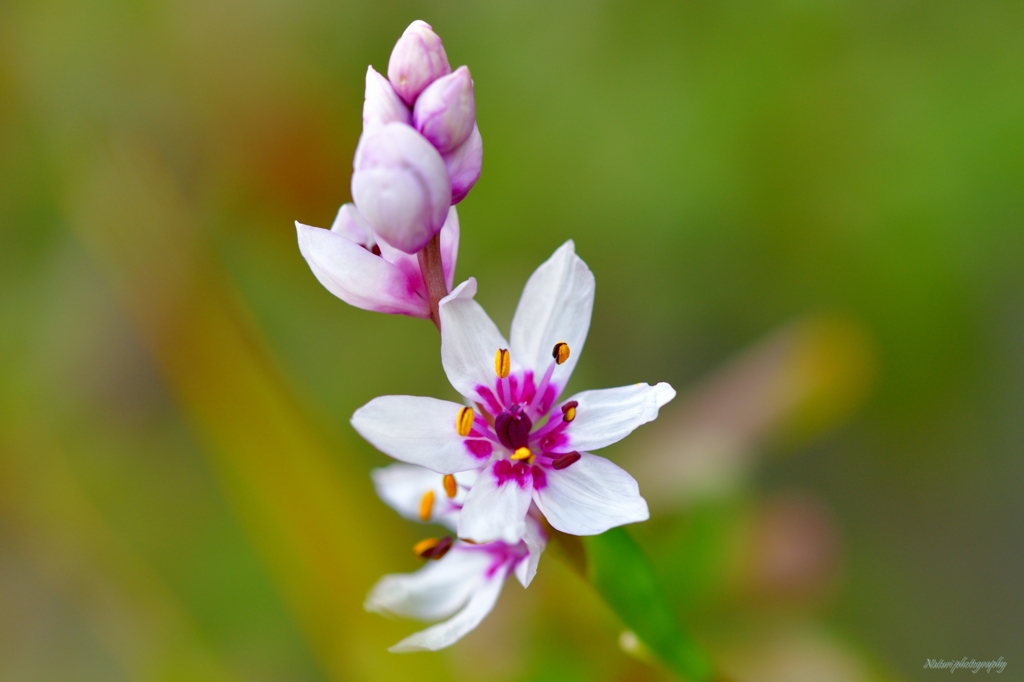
<point x="513" y="428"/>
<point x="438" y="550"/>
<point x="566" y="460"/>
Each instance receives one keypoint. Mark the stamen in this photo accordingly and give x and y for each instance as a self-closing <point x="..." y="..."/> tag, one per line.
<point x="560" y="352"/>
<point x="566" y="460"/>
<point x="449" y="485"/>
<point x="464" y="422"/>
<point x="569" y="411"/>
<point x="432" y="548"/>
<point x="502" y="363"/>
<point x="426" y="505"/>
<point x="521" y="453"/>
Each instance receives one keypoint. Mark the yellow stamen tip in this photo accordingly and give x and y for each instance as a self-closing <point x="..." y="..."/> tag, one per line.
<point x="569" y="415"/>
<point x="425" y="545"/>
<point x="464" y="422"/>
<point x="560" y="352"/>
<point x="502" y="363"/>
<point x="426" y="505"/>
<point x="522" y="453"/>
<point x="449" y="485"/>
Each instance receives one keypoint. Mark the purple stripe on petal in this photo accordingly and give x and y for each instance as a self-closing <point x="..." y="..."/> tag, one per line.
<point x="529" y="389"/>
<point x="488" y="397"/>
<point x="540" y="479"/>
<point x="553" y="441"/>
<point x="548" y="399"/>
<point x="513" y="388"/>
<point x="479" y="448"/>
<point x="505" y="471"/>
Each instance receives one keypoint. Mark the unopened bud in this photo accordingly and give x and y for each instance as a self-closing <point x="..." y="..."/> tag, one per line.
<point x="382" y="105"/>
<point x="417" y="60"/>
<point x="464" y="165"/>
<point x="401" y="186"/>
<point x="445" y="112"/>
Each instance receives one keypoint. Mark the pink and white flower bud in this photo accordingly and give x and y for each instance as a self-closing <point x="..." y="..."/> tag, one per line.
<point x="464" y="165"/>
<point x="417" y="60"/>
<point x="401" y="186"/>
<point x="382" y="104"/>
<point x="445" y="112"/>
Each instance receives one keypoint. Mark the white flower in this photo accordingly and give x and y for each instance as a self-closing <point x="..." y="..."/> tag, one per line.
<point x="526" y="445"/>
<point x="464" y="583"/>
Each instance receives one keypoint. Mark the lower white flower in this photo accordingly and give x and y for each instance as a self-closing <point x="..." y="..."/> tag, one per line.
<point x="462" y="586"/>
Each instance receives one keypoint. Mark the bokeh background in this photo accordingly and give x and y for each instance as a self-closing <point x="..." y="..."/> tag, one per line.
<point x="806" y="215"/>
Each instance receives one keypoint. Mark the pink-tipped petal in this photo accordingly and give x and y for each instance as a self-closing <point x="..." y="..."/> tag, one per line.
<point x="401" y="186"/>
<point x="445" y="112"/>
<point x="417" y="60"/>
<point x="382" y="105"/>
<point x="356" y="275"/>
<point x="590" y="497"/>
<point x="608" y="415"/>
<point x="464" y="165"/>
<point x="415" y="430"/>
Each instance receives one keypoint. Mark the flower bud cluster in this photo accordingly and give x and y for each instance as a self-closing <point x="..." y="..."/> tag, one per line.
<point x="421" y="150"/>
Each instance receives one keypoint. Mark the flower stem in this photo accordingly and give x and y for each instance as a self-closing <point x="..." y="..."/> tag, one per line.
<point x="433" y="275"/>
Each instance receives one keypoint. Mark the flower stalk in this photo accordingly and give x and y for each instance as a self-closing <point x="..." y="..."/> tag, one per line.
<point x="510" y="467"/>
<point x="433" y="276"/>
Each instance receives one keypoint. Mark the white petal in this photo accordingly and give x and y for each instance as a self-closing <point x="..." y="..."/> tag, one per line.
<point x="452" y="630"/>
<point x="469" y="341"/>
<point x="351" y="225"/>
<point x="590" y="496"/>
<point x="402" y="487"/>
<point x="536" y="540"/>
<point x="416" y="430"/>
<point x="494" y="511"/>
<point x="356" y="276"/>
<point x="555" y="306"/>
<point x="607" y="416"/>
<point x="435" y="591"/>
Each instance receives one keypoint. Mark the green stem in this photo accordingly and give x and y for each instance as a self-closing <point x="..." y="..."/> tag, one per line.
<point x="624" y="576"/>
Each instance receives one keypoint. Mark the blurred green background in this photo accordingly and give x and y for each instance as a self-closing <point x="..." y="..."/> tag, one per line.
<point x="806" y="215"/>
